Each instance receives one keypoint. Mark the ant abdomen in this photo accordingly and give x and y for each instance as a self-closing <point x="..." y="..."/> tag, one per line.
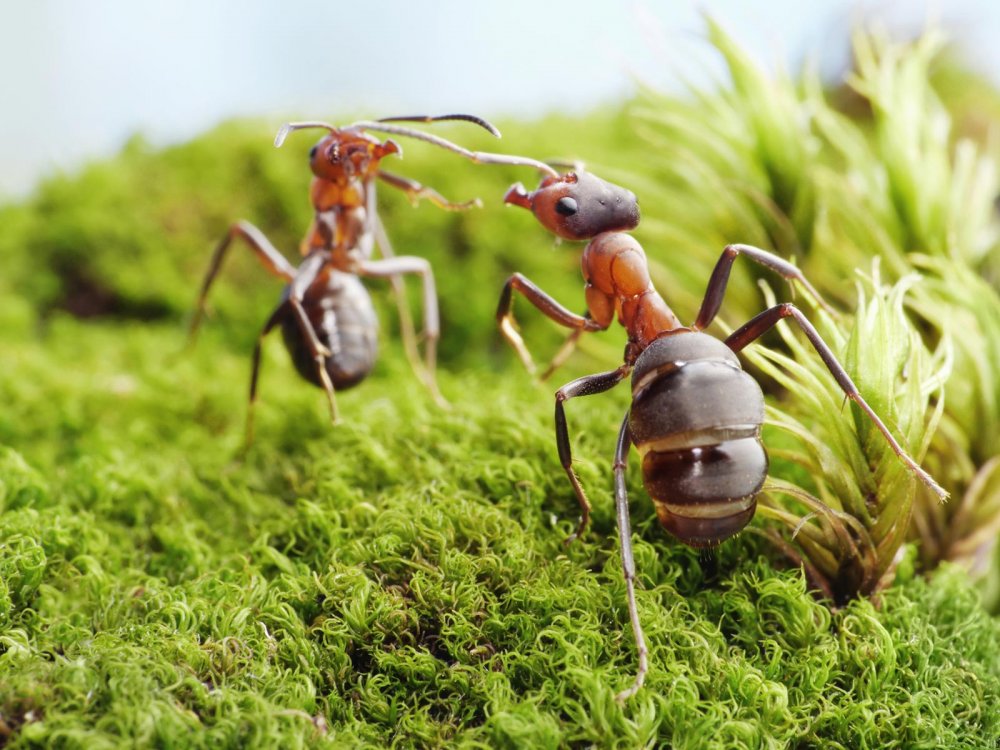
<point x="695" y="420"/>
<point x="341" y="312"/>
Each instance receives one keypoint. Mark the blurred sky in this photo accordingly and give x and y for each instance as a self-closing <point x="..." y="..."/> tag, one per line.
<point x="78" y="77"/>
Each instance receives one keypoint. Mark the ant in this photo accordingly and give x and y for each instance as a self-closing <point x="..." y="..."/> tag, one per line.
<point x="326" y="315"/>
<point x="696" y="415"/>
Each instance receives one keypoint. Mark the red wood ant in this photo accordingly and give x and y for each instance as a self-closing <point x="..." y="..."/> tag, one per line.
<point x="696" y="415"/>
<point x="326" y="315"/>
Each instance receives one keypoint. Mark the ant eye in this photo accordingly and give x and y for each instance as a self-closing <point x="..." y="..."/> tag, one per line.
<point x="566" y="206"/>
<point x="312" y="152"/>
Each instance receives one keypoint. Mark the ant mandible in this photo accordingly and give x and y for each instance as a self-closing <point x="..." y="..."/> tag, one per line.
<point x="696" y="415"/>
<point x="326" y="315"/>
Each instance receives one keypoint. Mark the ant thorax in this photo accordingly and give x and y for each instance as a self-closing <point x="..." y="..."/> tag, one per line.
<point x="618" y="283"/>
<point x="347" y="193"/>
<point x="342" y="224"/>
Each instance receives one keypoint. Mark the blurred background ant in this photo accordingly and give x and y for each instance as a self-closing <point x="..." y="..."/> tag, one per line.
<point x="327" y="319"/>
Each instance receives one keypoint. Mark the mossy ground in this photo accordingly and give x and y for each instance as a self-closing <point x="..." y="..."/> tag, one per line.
<point x="402" y="578"/>
<point x="399" y="579"/>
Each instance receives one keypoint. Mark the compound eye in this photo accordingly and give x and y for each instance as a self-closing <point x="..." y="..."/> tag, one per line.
<point x="312" y="152"/>
<point x="566" y="206"/>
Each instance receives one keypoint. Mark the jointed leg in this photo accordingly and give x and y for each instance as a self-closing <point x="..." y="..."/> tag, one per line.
<point x="716" y="289"/>
<point x="628" y="561"/>
<point x="304" y="278"/>
<point x="404" y="264"/>
<point x="548" y="306"/>
<point x="255" y="367"/>
<point x="585" y="386"/>
<point x="567" y="348"/>
<point x="769" y="318"/>
<point x="415" y="191"/>
<point x="273" y="261"/>
<point x="406" y="329"/>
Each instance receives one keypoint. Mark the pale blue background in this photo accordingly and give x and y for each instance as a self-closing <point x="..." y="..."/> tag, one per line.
<point x="77" y="78"/>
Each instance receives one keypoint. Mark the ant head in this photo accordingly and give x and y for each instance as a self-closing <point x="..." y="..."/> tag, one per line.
<point x="344" y="154"/>
<point x="349" y="151"/>
<point x="578" y="205"/>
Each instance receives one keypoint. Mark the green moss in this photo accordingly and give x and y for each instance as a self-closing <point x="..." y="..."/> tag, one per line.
<point x="401" y="579"/>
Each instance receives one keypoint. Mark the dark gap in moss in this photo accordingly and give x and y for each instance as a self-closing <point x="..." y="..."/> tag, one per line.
<point x="84" y="297"/>
<point x="15" y="714"/>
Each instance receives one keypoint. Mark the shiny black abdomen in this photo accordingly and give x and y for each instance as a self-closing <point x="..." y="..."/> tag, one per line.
<point x="695" y="420"/>
<point x="341" y="312"/>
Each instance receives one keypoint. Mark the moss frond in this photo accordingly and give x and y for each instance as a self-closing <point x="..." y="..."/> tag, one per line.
<point x="893" y="183"/>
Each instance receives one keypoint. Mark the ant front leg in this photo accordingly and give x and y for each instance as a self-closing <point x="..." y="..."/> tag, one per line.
<point x="266" y="253"/>
<point x="405" y="264"/>
<point x="628" y="560"/>
<point x="585" y="386"/>
<point x="415" y="191"/>
<point x="547" y="305"/>
<point x="716" y="289"/>
<point x="766" y="320"/>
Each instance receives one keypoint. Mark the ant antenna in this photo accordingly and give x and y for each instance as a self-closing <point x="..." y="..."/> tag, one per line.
<point x="479" y="157"/>
<point x="385" y="126"/>
<point x="484" y="124"/>
<point x="288" y="127"/>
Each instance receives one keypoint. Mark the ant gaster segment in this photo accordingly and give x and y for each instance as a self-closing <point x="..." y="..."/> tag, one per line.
<point x="696" y="415"/>
<point x="326" y="315"/>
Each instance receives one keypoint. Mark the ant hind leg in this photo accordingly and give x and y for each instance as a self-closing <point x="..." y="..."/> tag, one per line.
<point x="266" y="253"/>
<point x="628" y="560"/>
<point x="766" y="320"/>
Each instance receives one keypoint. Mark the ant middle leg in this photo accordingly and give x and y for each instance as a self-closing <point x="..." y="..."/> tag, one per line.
<point x="716" y="288"/>
<point x="567" y="347"/>
<point x="585" y="386"/>
<point x="628" y="560"/>
<point x="546" y="305"/>
<point x="266" y="253"/>
<point x="766" y="320"/>
<point x="415" y="191"/>
<point x="406" y="264"/>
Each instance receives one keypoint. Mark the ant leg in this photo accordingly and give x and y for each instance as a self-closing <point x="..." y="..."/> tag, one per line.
<point x="406" y="329"/>
<point x="628" y="561"/>
<point x="548" y="306"/>
<point x="716" y="289"/>
<point x="273" y="260"/>
<point x="415" y="191"/>
<point x="395" y="266"/>
<point x="304" y="278"/>
<point x="275" y="318"/>
<point x="585" y="386"/>
<point x="769" y="318"/>
<point x="565" y="350"/>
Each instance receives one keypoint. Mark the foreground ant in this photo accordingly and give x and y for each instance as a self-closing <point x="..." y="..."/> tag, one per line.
<point x="326" y="315"/>
<point x="696" y="415"/>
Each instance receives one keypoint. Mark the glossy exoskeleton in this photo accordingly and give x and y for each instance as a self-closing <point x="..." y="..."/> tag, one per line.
<point x="696" y="415"/>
